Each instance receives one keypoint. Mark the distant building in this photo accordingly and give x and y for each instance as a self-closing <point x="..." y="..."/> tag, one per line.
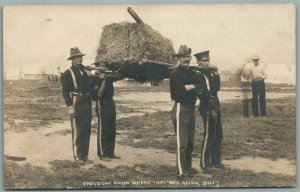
<point x="230" y="78"/>
<point x="278" y="74"/>
<point x="130" y="83"/>
<point x="293" y="75"/>
<point x="225" y="75"/>
<point x="35" y="76"/>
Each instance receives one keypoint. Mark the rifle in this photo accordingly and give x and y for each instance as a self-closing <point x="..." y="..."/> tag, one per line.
<point x="200" y="68"/>
<point x="105" y="73"/>
<point x="100" y="71"/>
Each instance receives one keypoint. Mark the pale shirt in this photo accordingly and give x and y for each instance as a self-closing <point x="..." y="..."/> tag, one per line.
<point x="244" y="79"/>
<point x="246" y="86"/>
<point x="257" y="73"/>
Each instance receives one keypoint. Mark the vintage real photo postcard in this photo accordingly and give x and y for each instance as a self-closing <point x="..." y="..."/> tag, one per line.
<point x="149" y="96"/>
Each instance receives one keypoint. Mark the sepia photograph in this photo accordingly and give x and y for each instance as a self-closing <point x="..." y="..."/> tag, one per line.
<point x="149" y="96"/>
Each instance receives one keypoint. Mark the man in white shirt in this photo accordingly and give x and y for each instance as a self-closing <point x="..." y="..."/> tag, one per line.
<point x="257" y="76"/>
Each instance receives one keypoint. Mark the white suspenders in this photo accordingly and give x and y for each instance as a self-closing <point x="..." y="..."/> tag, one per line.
<point x="76" y="92"/>
<point x="207" y="82"/>
<point x="73" y="120"/>
<point x="206" y="129"/>
<point x="73" y="78"/>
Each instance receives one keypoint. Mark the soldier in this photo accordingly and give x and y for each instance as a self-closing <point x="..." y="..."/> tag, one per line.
<point x="210" y="112"/>
<point x="257" y="75"/>
<point x="76" y="92"/>
<point x="184" y="87"/>
<point x="106" y="112"/>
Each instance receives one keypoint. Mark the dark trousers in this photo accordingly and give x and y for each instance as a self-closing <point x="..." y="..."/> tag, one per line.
<point x="81" y="126"/>
<point x="106" y="112"/>
<point x="183" y="118"/>
<point x="213" y="134"/>
<point x="258" y="91"/>
<point x="246" y="98"/>
<point x="246" y="107"/>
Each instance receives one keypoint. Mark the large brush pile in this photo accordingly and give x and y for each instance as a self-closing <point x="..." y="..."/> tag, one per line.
<point x="128" y="43"/>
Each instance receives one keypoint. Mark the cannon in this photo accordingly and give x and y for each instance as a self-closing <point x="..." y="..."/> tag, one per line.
<point x="134" y="15"/>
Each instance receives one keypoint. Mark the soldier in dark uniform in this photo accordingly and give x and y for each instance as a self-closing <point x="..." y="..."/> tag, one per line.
<point x="210" y="112"/>
<point x="106" y="112"/>
<point x="76" y="92"/>
<point x="184" y="87"/>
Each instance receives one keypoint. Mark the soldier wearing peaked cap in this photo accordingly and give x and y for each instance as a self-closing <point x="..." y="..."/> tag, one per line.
<point x="210" y="112"/>
<point x="184" y="87"/>
<point x="103" y="93"/>
<point x="76" y="92"/>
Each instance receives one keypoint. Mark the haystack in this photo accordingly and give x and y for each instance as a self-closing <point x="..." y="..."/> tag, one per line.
<point x="128" y="43"/>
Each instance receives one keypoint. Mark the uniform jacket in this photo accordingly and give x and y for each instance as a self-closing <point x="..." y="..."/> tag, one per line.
<point x="108" y="89"/>
<point x="214" y="87"/>
<point x="82" y="79"/>
<point x="214" y="82"/>
<point x="178" y="79"/>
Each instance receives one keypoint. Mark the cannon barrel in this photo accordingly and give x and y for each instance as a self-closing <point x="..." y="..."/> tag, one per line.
<point x="134" y="15"/>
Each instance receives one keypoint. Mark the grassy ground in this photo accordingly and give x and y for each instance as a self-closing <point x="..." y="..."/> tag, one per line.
<point x="37" y="105"/>
<point x="69" y="175"/>
<point x="273" y="137"/>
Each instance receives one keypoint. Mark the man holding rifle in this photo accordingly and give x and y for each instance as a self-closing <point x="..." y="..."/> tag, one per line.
<point x="76" y="93"/>
<point x="210" y="112"/>
<point x="106" y="111"/>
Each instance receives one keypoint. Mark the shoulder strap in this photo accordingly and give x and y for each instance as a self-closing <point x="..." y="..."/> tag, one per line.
<point x="207" y="82"/>
<point x="73" y="78"/>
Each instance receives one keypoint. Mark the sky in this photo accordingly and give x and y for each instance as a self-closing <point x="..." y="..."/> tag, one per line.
<point x="38" y="39"/>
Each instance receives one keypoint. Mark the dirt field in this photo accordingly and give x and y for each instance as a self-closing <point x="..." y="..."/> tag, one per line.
<point x="257" y="152"/>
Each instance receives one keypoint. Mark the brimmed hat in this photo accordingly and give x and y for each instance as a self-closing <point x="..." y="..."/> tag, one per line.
<point x="201" y="55"/>
<point x="183" y="51"/>
<point x="255" y="57"/>
<point x="75" y="52"/>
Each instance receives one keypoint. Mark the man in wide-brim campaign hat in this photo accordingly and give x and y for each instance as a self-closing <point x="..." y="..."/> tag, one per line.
<point x="76" y="93"/>
<point x="184" y="87"/>
<point x="183" y="51"/>
<point x="75" y="52"/>
<point x="209" y="109"/>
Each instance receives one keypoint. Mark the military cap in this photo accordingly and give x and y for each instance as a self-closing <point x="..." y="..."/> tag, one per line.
<point x="202" y="55"/>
